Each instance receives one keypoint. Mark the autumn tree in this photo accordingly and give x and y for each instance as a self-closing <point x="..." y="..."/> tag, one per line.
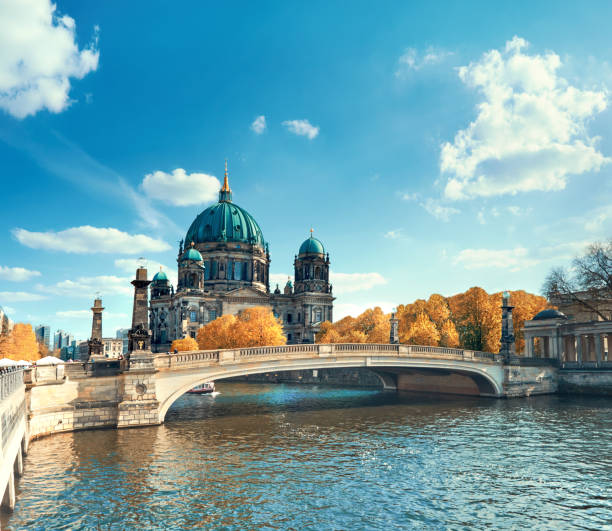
<point x="448" y="335"/>
<point x="371" y="326"/>
<point x="423" y="331"/>
<point x="185" y="344"/>
<point x="477" y="318"/>
<point x="252" y="327"/>
<point x="20" y="344"/>
<point x="217" y="334"/>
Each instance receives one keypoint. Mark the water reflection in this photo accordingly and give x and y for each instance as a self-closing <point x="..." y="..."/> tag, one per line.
<point x="284" y="456"/>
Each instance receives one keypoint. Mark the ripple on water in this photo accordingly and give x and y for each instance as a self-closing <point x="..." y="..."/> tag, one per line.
<point x="299" y="457"/>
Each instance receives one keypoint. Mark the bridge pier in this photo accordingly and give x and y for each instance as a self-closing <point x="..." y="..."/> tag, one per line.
<point x="140" y="406"/>
<point x="8" y="500"/>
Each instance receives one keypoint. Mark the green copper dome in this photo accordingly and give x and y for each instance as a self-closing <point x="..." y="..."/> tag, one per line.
<point x="192" y="254"/>
<point x="225" y="222"/>
<point x="160" y="276"/>
<point x="312" y="246"/>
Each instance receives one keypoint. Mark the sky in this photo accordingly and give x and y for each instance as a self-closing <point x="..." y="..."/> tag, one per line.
<point x="432" y="146"/>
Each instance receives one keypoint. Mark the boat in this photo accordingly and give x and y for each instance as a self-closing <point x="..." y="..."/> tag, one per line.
<point x="205" y="388"/>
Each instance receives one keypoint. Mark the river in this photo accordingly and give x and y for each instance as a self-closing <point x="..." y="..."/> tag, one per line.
<point x="259" y="456"/>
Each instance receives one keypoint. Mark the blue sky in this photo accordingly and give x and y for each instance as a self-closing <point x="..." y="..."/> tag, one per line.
<point x="432" y="146"/>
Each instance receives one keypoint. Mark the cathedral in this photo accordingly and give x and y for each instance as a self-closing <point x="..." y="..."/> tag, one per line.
<point x="224" y="267"/>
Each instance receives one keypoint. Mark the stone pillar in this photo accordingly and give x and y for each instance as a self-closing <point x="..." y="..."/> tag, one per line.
<point x="94" y="345"/>
<point x="546" y="347"/>
<point x="598" y="348"/>
<point x="8" y="500"/>
<point x="528" y="345"/>
<point x="394" y="332"/>
<point x="578" y="348"/>
<point x="19" y="463"/>
<point x="139" y="335"/>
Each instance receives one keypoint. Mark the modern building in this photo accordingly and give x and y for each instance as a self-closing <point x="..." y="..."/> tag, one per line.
<point x="122" y="333"/>
<point x="43" y="335"/>
<point x="223" y="268"/>
<point x="62" y="339"/>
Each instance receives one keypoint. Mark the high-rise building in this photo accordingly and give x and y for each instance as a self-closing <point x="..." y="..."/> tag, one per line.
<point x="122" y="333"/>
<point x="6" y="324"/>
<point x="62" y="339"/>
<point x="43" y="335"/>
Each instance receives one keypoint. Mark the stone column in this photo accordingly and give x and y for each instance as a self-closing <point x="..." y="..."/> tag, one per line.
<point x="139" y="336"/>
<point x="94" y="345"/>
<point x="528" y="345"/>
<point x="546" y="347"/>
<point x="598" y="349"/>
<point x="578" y="348"/>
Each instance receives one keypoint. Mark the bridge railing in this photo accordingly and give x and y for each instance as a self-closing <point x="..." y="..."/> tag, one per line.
<point x="11" y="379"/>
<point x="198" y="357"/>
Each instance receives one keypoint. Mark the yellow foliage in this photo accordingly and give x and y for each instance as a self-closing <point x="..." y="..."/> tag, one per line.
<point x="183" y="345"/>
<point x="20" y="344"/>
<point x="423" y="331"/>
<point x="448" y="335"/>
<point x="372" y="326"/>
<point x="252" y="327"/>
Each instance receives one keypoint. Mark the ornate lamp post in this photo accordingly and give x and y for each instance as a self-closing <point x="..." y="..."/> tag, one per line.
<point x="394" y="332"/>
<point x="507" y="349"/>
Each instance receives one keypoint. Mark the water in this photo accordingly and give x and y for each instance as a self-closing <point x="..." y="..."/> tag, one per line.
<point x="297" y="457"/>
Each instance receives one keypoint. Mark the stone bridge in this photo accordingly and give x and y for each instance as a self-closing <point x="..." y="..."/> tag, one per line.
<point x="154" y="383"/>
<point x="103" y="394"/>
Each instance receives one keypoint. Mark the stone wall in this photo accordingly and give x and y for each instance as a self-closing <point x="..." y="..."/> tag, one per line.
<point x="587" y="382"/>
<point x="522" y="381"/>
<point x="357" y="377"/>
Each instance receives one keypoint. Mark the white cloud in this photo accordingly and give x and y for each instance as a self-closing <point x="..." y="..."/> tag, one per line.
<point x="512" y="259"/>
<point x="411" y="59"/>
<point x="341" y="282"/>
<point x="88" y="287"/>
<point x="344" y="309"/>
<point x="259" y="124"/>
<point x="410" y="196"/>
<point x="395" y="234"/>
<point x="180" y="188"/>
<point x="481" y="218"/>
<point x="39" y="56"/>
<point x="87" y="239"/>
<point x="17" y="274"/>
<point x="301" y="128"/>
<point x="530" y="130"/>
<point x="129" y="265"/>
<point x="351" y="282"/>
<point x="19" y="296"/>
<point x="86" y="314"/>
<point x="437" y="210"/>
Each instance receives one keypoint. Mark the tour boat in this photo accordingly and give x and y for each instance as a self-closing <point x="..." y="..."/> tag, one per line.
<point x="206" y="387"/>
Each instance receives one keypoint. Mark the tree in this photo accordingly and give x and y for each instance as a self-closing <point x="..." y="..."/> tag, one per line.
<point x="422" y="332"/>
<point x="184" y="344"/>
<point x="256" y="327"/>
<point x="448" y="335"/>
<point x="217" y="334"/>
<point x="477" y="318"/>
<point x="590" y="284"/>
<point x="20" y="344"/>
<point x="252" y="327"/>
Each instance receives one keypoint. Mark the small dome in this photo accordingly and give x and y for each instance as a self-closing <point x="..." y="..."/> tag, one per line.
<point x="549" y="314"/>
<point x="160" y="276"/>
<point x="312" y="246"/>
<point x="192" y="254"/>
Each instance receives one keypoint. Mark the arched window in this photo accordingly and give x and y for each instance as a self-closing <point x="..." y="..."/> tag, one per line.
<point x="237" y="270"/>
<point x="318" y="315"/>
<point x="317" y="272"/>
<point x="289" y="318"/>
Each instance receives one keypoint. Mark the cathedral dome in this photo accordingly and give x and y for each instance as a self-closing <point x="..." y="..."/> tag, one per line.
<point x="160" y="276"/>
<point x="312" y="246"/>
<point x="192" y="254"/>
<point x="225" y="222"/>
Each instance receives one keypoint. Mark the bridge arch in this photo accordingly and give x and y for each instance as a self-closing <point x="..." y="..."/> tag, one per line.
<point x="173" y="384"/>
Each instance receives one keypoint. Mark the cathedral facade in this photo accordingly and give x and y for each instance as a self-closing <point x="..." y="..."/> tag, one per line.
<point x="224" y="267"/>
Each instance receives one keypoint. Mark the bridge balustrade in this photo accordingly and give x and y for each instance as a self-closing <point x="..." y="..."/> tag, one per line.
<point x="187" y="359"/>
<point x="11" y="379"/>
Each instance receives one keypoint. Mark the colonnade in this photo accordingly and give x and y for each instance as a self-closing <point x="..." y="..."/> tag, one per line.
<point x="571" y="346"/>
